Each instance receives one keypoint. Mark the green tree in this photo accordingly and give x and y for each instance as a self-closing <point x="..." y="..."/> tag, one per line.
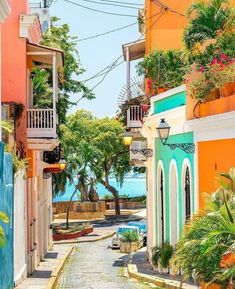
<point x="4" y="219"/>
<point x="208" y="20"/>
<point x="93" y="149"/>
<point x="59" y="37"/>
<point x="113" y="156"/>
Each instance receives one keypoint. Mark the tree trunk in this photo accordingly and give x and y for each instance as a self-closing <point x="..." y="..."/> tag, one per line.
<point x="68" y="208"/>
<point x="115" y="194"/>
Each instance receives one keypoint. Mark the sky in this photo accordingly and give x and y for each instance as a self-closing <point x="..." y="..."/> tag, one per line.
<point x="98" y="53"/>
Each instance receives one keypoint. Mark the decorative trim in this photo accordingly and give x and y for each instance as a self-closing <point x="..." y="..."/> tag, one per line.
<point x="4" y="10"/>
<point x="175" y="117"/>
<point x="215" y="127"/>
<point x="167" y="94"/>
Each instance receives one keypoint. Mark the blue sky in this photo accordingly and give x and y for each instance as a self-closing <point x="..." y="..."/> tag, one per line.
<point x="98" y="53"/>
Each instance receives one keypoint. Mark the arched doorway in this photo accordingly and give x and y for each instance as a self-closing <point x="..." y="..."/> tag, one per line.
<point x="187" y="190"/>
<point x="187" y="194"/>
<point x="173" y="198"/>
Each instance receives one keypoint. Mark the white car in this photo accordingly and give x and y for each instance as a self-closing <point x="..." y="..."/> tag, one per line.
<point x="123" y="229"/>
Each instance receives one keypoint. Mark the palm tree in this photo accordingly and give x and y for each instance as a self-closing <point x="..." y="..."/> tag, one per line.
<point x="208" y="19"/>
<point x="4" y="219"/>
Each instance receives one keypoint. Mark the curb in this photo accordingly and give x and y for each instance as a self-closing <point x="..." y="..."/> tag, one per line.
<point x="160" y="282"/>
<point x="55" y="273"/>
<point x="85" y="241"/>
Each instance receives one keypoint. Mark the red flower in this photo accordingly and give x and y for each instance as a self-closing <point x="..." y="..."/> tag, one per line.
<point x="227" y="260"/>
<point x="201" y="69"/>
<point x="149" y="83"/>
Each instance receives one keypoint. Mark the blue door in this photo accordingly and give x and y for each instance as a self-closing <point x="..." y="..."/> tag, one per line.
<point x="6" y="205"/>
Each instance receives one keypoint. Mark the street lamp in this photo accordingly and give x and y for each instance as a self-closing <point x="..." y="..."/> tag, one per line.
<point x="127" y="138"/>
<point x="163" y="131"/>
<point x="62" y="163"/>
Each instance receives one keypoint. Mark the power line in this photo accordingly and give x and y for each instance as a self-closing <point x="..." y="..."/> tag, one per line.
<point x="103" y="71"/>
<point x="110" y="4"/>
<point x="164" y="6"/>
<point x="107" y="32"/>
<point x="111" y="66"/>
<point x="100" y="11"/>
<point x="120" y="2"/>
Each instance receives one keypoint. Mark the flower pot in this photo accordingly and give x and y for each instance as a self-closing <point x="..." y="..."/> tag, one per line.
<point x="215" y="94"/>
<point x="127" y="247"/>
<point x="162" y="89"/>
<point x="162" y="270"/>
<point x="204" y="285"/>
<point x="227" y="89"/>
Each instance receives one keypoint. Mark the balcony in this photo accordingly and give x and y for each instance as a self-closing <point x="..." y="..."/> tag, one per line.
<point x="135" y="116"/>
<point x="41" y="123"/>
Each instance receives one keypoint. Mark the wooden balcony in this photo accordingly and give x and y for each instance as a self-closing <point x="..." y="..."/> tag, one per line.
<point x="135" y="115"/>
<point x="41" y="123"/>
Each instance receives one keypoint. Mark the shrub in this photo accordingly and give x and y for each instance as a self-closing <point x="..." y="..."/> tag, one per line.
<point x="129" y="237"/>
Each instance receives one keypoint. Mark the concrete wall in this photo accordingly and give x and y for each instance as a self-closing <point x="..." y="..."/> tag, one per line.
<point x="20" y="229"/>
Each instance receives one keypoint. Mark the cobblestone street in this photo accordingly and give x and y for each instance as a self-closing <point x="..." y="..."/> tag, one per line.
<point x="94" y="266"/>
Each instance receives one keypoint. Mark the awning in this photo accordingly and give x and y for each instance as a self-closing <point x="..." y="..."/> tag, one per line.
<point x="136" y="49"/>
<point x="44" y="54"/>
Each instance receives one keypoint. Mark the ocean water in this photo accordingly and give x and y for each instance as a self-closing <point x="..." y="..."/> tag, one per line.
<point x="133" y="187"/>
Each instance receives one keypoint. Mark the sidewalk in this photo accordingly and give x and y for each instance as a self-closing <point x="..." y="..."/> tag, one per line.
<point x="141" y="269"/>
<point x="45" y="274"/>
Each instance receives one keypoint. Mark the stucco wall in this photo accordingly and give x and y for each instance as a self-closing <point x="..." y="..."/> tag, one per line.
<point x="6" y="205"/>
<point x="19" y="227"/>
<point x="166" y="155"/>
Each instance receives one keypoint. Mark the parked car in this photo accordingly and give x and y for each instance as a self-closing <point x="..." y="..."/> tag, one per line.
<point x="122" y="229"/>
<point x="143" y="229"/>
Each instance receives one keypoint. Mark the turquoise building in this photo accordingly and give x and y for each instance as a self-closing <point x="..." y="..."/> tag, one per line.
<point x="170" y="173"/>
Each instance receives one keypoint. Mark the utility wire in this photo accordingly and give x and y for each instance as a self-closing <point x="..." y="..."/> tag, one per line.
<point x="164" y="6"/>
<point x="100" y="11"/>
<point x="103" y="71"/>
<point x="107" y="32"/>
<point x="120" y="2"/>
<point x="110" y="4"/>
<point x="111" y="67"/>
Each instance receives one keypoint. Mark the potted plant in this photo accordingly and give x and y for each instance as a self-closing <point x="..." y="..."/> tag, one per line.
<point x="221" y="72"/>
<point x="129" y="242"/>
<point x="156" y="252"/>
<point x="165" y="256"/>
<point x="208" y="240"/>
<point x="203" y="89"/>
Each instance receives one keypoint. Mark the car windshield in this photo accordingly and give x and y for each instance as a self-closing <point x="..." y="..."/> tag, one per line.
<point x="123" y="230"/>
<point x="141" y="226"/>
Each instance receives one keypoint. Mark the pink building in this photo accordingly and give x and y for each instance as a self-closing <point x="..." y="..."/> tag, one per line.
<point x="35" y="132"/>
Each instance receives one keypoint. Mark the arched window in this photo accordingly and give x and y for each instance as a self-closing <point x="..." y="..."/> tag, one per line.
<point x="187" y="195"/>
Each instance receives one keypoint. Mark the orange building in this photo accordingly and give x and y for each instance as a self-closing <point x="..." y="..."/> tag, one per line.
<point x="213" y="124"/>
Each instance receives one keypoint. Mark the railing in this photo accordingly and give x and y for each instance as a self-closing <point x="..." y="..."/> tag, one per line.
<point x="135" y="115"/>
<point x="41" y="123"/>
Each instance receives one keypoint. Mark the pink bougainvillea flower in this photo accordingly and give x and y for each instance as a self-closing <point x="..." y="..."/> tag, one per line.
<point x="201" y="69"/>
<point x="224" y="56"/>
<point x="149" y="84"/>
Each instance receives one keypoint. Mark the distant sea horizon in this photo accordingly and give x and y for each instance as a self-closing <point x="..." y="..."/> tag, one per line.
<point x="132" y="187"/>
